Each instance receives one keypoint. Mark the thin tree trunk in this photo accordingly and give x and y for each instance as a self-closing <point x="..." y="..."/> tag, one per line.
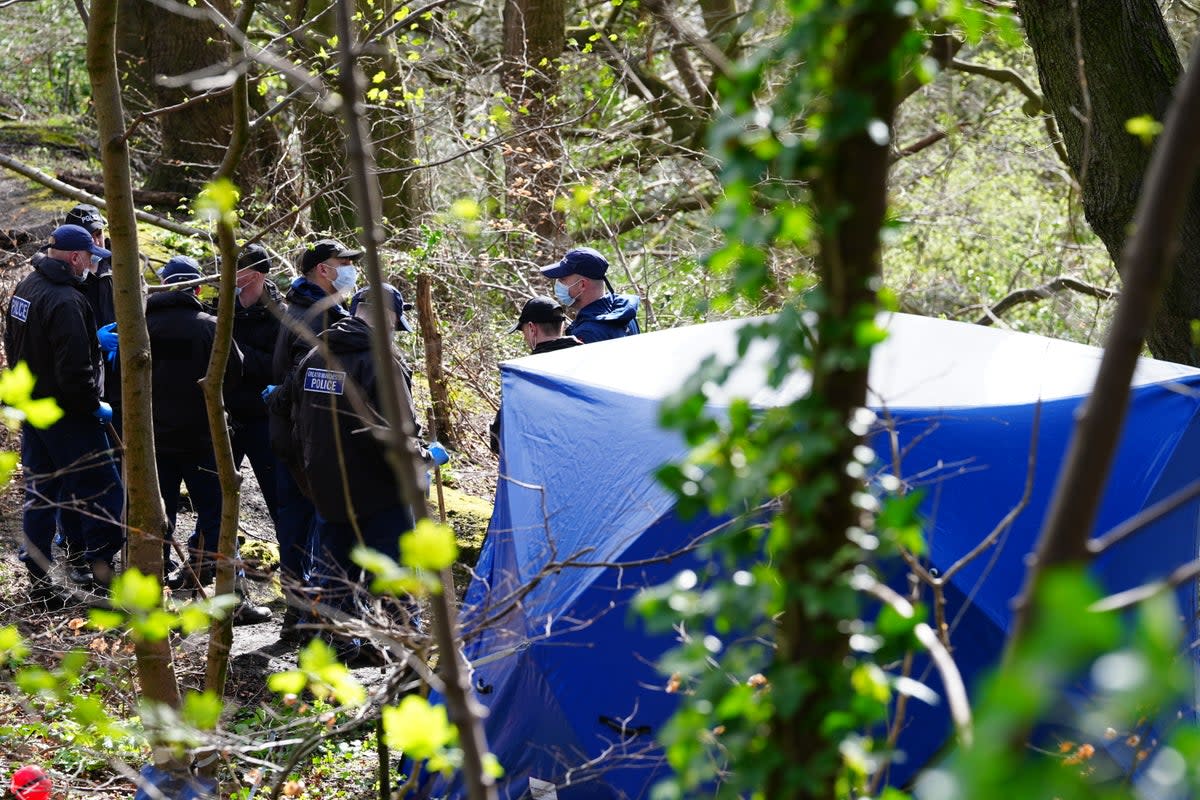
<point x="436" y="375"/>
<point x="221" y="631"/>
<point x="147" y="521"/>
<point x="463" y="710"/>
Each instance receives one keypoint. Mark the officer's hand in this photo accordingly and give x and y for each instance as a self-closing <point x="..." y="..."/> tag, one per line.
<point x="438" y="453"/>
<point x="266" y="393"/>
<point x="108" y="337"/>
<point x="103" y="413"/>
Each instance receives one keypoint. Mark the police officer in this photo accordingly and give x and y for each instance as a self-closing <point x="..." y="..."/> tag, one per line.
<point x="98" y="289"/>
<point x="600" y="313"/>
<point x="541" y="324"/>
<point x="353" y="486"/>
<point x="255" y="329"/>
<point x="52" y="328"/>
<point x="181" y="342"/>
<point x="314" y="300"/>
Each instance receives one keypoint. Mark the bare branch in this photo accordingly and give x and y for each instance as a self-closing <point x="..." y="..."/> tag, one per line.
<point x="956" y="691"/>
<point x="1143" y="518"/>
<point x="1031" y="295"/>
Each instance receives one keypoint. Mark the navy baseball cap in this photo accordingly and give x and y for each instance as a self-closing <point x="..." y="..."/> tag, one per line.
<point x="180" y="269"/>
<point x="398" y="304"/>
<point x="86" y="216"/>
<point x="323" y="250"/>
<point x="540" y="309"/>
<point x="581" y="261"/>
<point x="255" y="257"/>
<point x="73" y="237"/>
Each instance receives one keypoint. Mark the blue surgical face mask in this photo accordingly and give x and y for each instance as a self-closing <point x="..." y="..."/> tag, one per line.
<point x="347" y="276"/>
<point x="95" y="259"/>
<point x="237" y="290"/>
<point x="562" y="293"/>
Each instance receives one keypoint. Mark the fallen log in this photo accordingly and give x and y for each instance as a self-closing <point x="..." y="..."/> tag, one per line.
<point x="79" y="195"/>
<point x="140" y="196"/>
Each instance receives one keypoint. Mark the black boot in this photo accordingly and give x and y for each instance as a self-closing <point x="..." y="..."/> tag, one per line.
<point x="47" y="594"/>
<point x="247" y="611"/>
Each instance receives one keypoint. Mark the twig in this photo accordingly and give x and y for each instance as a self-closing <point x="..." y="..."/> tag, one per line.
<point x="1031" y="295"/>
<point x="1143" y="518"/>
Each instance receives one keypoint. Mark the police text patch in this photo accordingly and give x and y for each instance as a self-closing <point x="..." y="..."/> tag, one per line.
<point x="324" y="381"/>
<point x="19" y="308"/>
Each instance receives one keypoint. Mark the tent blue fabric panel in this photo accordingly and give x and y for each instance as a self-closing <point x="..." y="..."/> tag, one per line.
<point x="566" y="671"/>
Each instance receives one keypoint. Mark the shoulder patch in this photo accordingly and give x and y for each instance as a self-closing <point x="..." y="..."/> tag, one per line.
<point x="324" y="381"/>
<point x="19" y="308"/>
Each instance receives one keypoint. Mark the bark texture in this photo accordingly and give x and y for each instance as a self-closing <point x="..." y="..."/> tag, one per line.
<point x="534" y="32"/>
<point x="146" y="520"/>
<point x="1102" y="63"/>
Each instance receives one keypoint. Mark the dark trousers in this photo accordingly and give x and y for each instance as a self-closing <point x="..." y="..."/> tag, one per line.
<point x="252" y="440"/>
<point x="334" y="571"/>
<point x="198" y="470"/>
<point x="294" y="529"/>
<point x="70" y="526"/>
<point x="70" y="466"/>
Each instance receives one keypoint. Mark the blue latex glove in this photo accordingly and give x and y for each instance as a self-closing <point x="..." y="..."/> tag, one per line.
<point x="438" y="453"/>
<point x="103" y="412"/>
<point x="266" y="393"/>
<point x="108" y="340"/>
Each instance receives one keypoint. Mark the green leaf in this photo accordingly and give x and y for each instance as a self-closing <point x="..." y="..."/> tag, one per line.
<point x="41" y="413"/>
<point x="133" y="591"/>
<point x="291" y="682"/>
<point x="430" y="545"/>
<point x="465" y="208"/>
<point x="12" y="646"/>
<point x="1145" y="127"/>
<point x="8" y="462"/>
<point x="419" y="729"/>
<point x="203" y="711"/>
<point x="102" y="619"/>
<point x="218" y="200"/>
<point x="16" y="384"/>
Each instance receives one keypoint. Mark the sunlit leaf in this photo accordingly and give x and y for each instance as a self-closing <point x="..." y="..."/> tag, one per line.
<point x="430" y="545"/>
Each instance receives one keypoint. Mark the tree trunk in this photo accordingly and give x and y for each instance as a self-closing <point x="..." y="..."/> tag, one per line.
<point x="850" y="197"/>
<point x="220" y="639"/>
<point x="191" y="140"/>
<point x="1111" y="62"/>
<point x="464" y="710"/>
<point x="147" y="522"/>
<point x="534" y="32"/>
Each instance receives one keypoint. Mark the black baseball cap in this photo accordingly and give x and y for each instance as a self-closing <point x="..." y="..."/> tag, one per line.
<point x="323" y="250"/>
<point x="398" y="305"/>
<point x="86" y="216"/>
<point x="540" y="309"/>
<point x="255" y="257"/>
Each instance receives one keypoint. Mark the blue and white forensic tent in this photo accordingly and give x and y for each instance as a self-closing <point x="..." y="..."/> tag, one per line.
<point x="564" y="668"/>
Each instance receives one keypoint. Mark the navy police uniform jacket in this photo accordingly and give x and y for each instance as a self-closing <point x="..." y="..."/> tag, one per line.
<point x="333" y="444"/>
<point x="51" y="328"/>
<point x="610" y="317"/>
<point x="304" y="299"/>
<point x="181" y="342"/>
<point x="256" y="331"/>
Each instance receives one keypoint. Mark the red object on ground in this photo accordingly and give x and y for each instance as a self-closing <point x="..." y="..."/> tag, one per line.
<point x="30" y="783"/>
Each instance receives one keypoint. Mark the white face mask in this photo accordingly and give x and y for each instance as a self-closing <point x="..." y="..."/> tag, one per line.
<point x="347" y="276"/>
<point x="562" y="293"/>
